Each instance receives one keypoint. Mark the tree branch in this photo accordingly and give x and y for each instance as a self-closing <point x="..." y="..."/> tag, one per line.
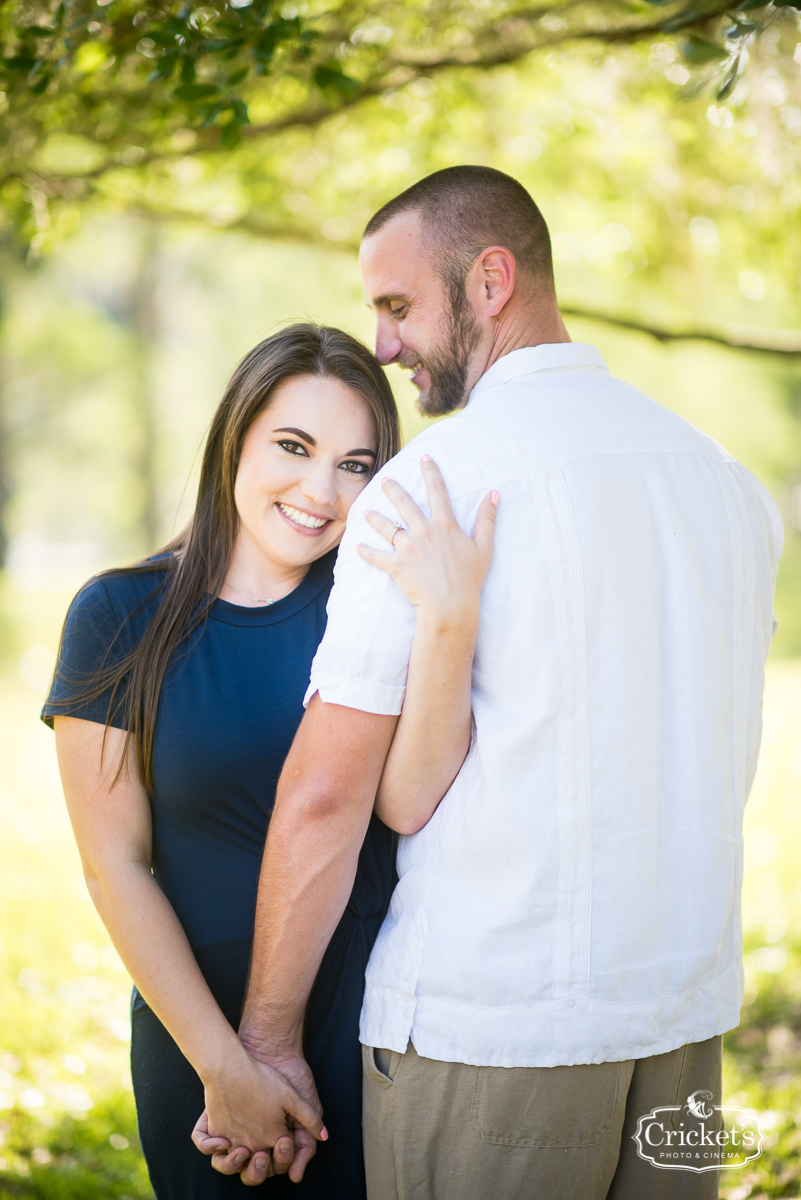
<point x="782" y="342"/>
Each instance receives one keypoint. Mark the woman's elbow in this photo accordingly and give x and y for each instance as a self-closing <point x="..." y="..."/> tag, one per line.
<point x="400" y="819"/>
<point x="106" y="879"/>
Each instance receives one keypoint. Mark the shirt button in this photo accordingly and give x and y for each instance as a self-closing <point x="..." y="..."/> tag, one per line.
<point x="571" y="1004"/>
<point x="418" y="933"/>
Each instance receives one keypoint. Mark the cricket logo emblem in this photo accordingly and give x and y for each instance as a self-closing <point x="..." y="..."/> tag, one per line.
<point x="696" y="1102"/>
<point x="699" y="1135"/>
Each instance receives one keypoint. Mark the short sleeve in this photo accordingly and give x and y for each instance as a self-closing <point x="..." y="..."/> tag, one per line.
<point x="363" y="658"/>
<point x="95" y="635"/>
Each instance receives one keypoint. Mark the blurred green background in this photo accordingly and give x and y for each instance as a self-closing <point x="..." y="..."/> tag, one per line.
<point x="128" y="294"/>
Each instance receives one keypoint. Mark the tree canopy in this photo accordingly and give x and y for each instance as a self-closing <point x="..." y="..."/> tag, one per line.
<point x="114" y="87"/>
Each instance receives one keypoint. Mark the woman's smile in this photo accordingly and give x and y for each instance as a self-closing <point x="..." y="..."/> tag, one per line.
<point x="305" y="522"/>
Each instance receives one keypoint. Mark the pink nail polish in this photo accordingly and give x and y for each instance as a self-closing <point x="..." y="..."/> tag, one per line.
<point x="426" y="458"/>
<point x="494" y="497"/>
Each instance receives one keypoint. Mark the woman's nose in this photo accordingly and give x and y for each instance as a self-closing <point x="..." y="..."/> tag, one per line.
<point x="319" y="486"/>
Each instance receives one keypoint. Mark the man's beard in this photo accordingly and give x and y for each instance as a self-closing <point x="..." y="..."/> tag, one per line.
<point x="447" y="367"/>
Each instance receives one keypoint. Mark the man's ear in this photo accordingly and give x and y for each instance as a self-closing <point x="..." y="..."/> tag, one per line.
<point x="495" y="268"/>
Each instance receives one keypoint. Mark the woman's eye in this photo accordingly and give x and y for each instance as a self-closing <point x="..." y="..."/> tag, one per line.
<point x="293" y="448"/>
<point x="355" y="468"/>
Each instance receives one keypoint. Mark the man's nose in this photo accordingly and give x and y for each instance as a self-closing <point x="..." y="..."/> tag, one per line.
<point x="388" y="345"/>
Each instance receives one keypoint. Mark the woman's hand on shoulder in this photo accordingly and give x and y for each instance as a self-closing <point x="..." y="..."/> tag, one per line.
<point x="439" y="569"/>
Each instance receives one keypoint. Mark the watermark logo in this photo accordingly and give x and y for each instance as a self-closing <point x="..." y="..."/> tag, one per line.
<point x="699" y="1136"/>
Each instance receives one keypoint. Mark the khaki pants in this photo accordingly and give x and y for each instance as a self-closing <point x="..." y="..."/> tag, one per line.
<point x="447" y="1131"/>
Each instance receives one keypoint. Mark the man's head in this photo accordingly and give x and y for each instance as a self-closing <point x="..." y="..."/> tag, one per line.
<point x="458" y="271"/>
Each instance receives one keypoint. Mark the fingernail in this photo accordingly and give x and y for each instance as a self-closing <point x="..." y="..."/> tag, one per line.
<point x="238" y="1160"/>
<point x="426" y="458"/>
<point x="494" y="497"/>
<point x="259" y="1163"/>
<point x="324" y="1134"/>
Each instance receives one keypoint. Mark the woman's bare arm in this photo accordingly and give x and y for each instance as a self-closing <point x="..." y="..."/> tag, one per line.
<point x="441" y="572"/>
<point x="112" y="826"/>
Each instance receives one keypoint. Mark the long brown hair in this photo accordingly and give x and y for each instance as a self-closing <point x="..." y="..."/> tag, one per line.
<point x="198" y="559"/>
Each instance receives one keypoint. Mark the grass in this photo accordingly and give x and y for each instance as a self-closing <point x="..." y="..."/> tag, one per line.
<point x="67" y="1121"/>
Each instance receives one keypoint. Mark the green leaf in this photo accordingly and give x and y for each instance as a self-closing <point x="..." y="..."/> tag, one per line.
<point x="239" y="112"/>
<point x="220" y="45"/>
<point x="747" y="5"/>
<point x="18" y="62"/>
<point x="164" y="68"/>
<point x="786" y="4"/>
<point x="740" y="29"/>
<point x="160" y="38"/>
<point x="188" y="71"/>
<point x="275" y="33"/>
<point x="40" y="85"/>
<point x="699" y="50"/>
<point x="210" y="112"/>
<point x="195" y="91"/>
<point x="231" y="134"/>
<point x="699" y="11"/>
<point x="237" y="77"/>
<point x="729" y="80"/>
<point x="38" y="31"/>
<point x="330" y="77"/>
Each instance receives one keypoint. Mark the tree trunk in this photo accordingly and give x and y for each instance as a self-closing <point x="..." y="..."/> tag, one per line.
<point x="5" y="473"/>
<point x="145" y="325"/>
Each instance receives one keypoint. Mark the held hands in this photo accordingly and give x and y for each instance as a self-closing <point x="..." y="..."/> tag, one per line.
<point x="439" y="569"/>
<point x="261" y="1119"/>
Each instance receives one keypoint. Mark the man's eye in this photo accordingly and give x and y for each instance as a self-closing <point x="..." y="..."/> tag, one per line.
<point x="353" y="467"/>
<point x="401" y="312"/>
<point x="293" y="448"/>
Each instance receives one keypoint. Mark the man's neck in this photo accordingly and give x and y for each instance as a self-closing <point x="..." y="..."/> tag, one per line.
<point x="521" y="327"/>
<point x="525" y="326"/>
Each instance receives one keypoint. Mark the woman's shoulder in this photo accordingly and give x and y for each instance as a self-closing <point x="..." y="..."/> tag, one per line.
<point x="118" y="597"/>
<point x="104" y="623"/>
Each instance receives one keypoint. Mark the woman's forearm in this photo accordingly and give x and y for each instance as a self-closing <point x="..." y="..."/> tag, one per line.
<point x="154" y="948"/>
<point x="433" y="734"/>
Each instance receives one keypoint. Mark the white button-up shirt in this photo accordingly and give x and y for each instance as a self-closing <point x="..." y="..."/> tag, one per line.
<point x="576" y="896"/>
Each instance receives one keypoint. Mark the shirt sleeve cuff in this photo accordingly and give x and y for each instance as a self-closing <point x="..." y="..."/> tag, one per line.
<point x="379" y="698"/>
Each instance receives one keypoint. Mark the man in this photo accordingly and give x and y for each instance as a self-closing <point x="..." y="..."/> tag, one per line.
<point x="563" y="949"/>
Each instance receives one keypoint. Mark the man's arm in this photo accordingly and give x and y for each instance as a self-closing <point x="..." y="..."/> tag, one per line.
<point x="323" y="804"/>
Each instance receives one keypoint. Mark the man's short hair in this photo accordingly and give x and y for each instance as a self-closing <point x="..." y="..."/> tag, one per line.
<point x="466" y="209"/>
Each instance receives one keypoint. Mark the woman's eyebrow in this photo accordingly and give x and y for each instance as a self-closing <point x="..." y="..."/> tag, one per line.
<point x="307" y="437"/>
<point x="370" y="452"/>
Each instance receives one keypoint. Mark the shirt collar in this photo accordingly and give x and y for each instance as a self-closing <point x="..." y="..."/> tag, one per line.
<point x="551" y="356"/>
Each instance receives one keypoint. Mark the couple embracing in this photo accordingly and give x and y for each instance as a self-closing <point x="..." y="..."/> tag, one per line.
<point x="561" y="726"/>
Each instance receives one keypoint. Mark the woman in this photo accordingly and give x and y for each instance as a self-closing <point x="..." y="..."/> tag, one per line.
<point x="177" y="694"/>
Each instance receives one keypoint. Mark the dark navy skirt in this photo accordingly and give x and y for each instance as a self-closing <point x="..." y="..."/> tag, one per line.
<point x="169" y="1094"/>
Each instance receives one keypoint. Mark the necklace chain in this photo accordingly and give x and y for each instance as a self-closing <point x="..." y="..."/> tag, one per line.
<point x="253" y="599"/>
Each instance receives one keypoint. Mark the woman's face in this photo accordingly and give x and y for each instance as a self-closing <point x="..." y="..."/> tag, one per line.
<point x="304" y="461"/>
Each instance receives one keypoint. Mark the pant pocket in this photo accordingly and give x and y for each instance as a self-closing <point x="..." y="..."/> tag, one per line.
<point x="371" y="1065"/>
<point x="545" y="1107"/>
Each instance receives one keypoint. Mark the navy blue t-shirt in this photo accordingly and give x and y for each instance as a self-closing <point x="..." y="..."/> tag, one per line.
<point x="230" y="706"/>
